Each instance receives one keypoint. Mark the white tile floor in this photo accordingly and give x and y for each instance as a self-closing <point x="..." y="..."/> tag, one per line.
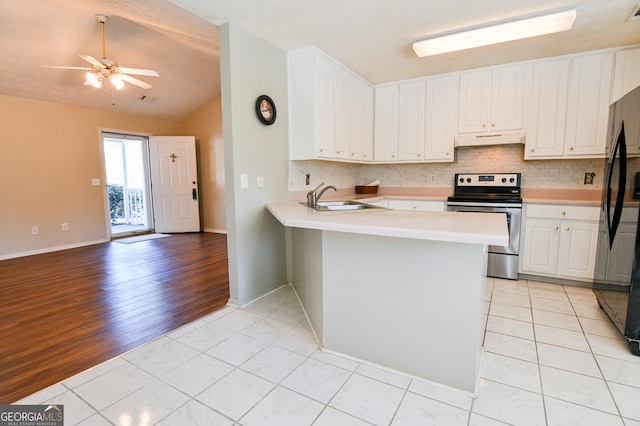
<point x="551" y="357"/>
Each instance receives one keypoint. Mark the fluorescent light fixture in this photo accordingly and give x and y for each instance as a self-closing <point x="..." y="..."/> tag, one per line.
<point x="496" y="33"/>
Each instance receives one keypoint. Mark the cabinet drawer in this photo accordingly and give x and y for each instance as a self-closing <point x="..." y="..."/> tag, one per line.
<point x="560" y="211"/>
<point x="421" y="205"/>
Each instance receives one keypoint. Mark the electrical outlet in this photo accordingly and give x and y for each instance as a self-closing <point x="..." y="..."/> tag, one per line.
<point x="65" y="226"/>
<point x="588" y="178"/>
<point x="433" y="178"/>
<point x="35" y="230"/>
<point x="95" y="181"/>
<point x="260" y="181"/>
<point x="244" y="181"/>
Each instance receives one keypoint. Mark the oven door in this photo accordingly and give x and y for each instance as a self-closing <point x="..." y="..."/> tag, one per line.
<point x="513" y="216"/>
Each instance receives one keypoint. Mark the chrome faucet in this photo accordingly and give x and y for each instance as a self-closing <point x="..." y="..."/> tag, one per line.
<point x="314" y="196"/>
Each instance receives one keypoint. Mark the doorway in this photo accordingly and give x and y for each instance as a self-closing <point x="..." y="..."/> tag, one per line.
<point x="126" y="161"/>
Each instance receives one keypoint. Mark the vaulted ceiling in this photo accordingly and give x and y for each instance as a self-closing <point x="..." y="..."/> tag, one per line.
<point x="179" y="39"/>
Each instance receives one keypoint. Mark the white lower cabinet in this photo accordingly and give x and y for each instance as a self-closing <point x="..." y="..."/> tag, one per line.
<point x="560" y="241"/>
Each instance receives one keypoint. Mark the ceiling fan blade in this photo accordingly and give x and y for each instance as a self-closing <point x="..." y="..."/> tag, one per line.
<point x="138" y="71"/>
<point x="92" y="61"/>
<point x="67" y="68"/>
<point x="135" y="81"/>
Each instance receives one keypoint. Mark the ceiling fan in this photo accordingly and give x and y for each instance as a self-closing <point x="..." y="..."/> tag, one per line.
<point x="106" y="69"/>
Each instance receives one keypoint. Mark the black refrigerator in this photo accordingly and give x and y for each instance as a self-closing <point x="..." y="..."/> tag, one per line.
<point x="617" y="276"/>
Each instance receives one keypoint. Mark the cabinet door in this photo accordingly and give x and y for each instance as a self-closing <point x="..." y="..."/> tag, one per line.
<point x="475" y="93"/>
<point x="411" y="118"/>
<point x="588" y="105"/>
<point x="627" y="73"/>
<point x="386" y="124"/>
<point x="441" y="118"/>
<point x="540" y="247"/>
<point x="507" y="98"/>
<point x="545" y="129"/>
<point x="578" y="245"/>
<point x="302" y="104"/>
<point x="325" y="133"/>
<point x="341" y="115"/>
<point x="361" y="116"/>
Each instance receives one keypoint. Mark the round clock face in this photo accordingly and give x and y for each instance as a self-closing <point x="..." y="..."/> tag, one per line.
<point x="266" y="110"/>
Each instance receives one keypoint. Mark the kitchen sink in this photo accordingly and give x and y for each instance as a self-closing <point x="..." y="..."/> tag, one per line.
<point x="340" y="206"/>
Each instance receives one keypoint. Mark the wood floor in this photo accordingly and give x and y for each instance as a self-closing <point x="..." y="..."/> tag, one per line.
<point x="66" y="311"/>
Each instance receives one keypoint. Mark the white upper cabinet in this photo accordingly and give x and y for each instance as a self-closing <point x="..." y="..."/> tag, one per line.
<point x="492" y="99"/>
<point x="325" y="108"/>
<point x="547" y="111"/>
<point x="626" y="74"/>
<point x="588" y="105"/>
<point x="441" y="117"/>
<point x="328" y="107"/>
<point x="386" y="122"/>
<point x="411" y="121"/>
<point x="361" y="120"/>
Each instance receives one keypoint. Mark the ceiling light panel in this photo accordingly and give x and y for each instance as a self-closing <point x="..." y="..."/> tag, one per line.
<point x="496" y="33"/>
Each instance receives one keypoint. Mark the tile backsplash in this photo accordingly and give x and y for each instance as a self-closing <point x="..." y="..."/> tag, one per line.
<point x="565" y="174"/>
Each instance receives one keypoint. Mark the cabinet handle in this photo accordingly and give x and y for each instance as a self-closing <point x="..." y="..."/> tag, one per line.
<point x="418" y="155"/>
<point x="338" y="152"/>
<point x="555" y="228"/>
<point x="532" y="149"/>
<point x="447" y="154"/>
<point x="570" y="148"/>
<point x="484" y="126"/>
<point x="321" y="150"/>
<point x="365" y="156"/>
<point x="563" y="213"/>
<point x="568" y="228"/>
<point x="393" y="156"/>
<point x="493" y="124"/>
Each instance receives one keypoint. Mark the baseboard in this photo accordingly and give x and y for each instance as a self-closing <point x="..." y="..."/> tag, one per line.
<point x="555" y="280"/>
<point x="51" y="249"/>
<point x="214" y="231"/>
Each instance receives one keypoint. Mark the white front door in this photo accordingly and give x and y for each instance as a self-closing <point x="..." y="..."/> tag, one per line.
<point x="174" y="182"/>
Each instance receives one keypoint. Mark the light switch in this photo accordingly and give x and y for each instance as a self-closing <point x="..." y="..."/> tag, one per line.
<point x="95" y="181"/>
<point x="260" y="181"/>
<point x="244" y="182"/>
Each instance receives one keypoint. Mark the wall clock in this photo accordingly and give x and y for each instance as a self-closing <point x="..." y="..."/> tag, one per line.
<point x="266" y="110"/>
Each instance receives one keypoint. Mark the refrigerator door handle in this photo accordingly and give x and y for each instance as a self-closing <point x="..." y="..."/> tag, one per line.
<point x="621" y="149"/>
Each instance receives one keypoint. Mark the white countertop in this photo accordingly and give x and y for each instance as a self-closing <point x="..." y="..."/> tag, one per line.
<point x="474" y="228"/>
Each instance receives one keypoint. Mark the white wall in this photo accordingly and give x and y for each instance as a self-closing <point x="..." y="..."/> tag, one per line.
<point x="564" y="174"/>
<point x="251" y="67"/>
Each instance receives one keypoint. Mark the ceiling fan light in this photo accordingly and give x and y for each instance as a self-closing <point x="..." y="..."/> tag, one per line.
<point x="94" y="79"/>
<point x="496" y="33"/>
<point x="117" y="82"/>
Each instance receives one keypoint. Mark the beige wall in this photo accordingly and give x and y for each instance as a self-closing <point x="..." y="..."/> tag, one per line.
<point x="49" y="153"/>
<point x="206" y="125"/>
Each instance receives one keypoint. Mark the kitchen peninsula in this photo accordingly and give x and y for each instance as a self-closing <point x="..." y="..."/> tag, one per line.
<point x="400" y="289"/>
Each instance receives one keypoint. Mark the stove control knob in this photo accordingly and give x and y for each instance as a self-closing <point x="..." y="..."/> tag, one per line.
<point x="504" y="180"/>
<point x="461" y="180"/>
<point x="468" y="180"/>
<point x="512" y="180"/>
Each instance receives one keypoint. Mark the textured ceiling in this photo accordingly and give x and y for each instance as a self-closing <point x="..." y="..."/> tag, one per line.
<point x="153" y="34"/>
<point x="179" y="39"/>
<point x="374" y="37"/>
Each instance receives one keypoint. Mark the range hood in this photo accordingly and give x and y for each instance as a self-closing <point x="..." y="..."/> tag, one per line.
<point x="502" y="138"/>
